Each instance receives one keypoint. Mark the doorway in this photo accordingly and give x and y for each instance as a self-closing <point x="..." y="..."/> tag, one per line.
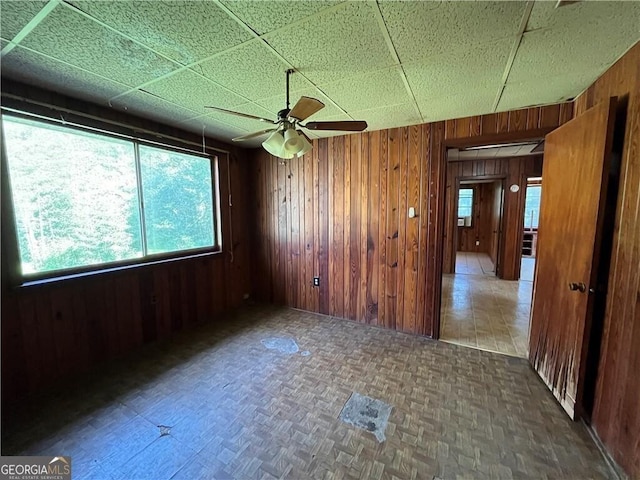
<point x="530" y="230"/>
<point x="487" y="281"/>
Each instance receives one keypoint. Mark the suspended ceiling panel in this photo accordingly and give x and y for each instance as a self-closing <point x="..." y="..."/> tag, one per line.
<point x="72" y="38"/>
<point x="458" y="73"/>
<point x="194" y="91"/>
<point x="369" y="90"/>
<point x="13" y="20"/>
<point x="390" y="63"/>
<point x="266" y="16"/>
<point x="179" y="30"/>
<point x="390" y="116"/>
<point x="54" y="74"/>
<point x="153" y="107"/>
<point x="422" y="30"/>
<point x="344" y="42"/>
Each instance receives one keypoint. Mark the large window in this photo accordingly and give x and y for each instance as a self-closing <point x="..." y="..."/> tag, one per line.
<point x="532" y="206"/>
<point x="84" y="199"/>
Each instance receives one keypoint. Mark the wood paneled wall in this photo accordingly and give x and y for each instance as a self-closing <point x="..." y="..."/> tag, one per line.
<point x="340" y="213"/>
<point x="616" y="415"/>
<point x="515" y="171"/>
<point x="52" y="331"/>
<point x="480" y="229"/>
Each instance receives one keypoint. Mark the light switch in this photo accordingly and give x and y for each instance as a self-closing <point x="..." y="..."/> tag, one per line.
<point x="412" y="212"/>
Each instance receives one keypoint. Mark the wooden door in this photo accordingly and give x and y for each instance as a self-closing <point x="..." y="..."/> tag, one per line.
<point x="576" y="160"/>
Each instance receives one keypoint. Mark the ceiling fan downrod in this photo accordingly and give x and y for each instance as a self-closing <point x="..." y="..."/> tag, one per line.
<point x="284" y="113"/>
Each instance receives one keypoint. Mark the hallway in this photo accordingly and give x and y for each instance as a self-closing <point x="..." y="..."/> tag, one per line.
<point x="481" y="311"/>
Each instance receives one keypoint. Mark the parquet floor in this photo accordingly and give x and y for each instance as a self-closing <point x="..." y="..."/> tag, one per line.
<point x="229" y="408"/>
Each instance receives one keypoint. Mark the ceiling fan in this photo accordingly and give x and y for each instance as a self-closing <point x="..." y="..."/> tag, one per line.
<point x="286" y="139"/>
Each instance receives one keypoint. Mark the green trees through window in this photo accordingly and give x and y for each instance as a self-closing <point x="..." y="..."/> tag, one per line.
<point x="77" y="200"/>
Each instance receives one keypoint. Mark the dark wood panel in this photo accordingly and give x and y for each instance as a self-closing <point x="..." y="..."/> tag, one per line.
<point x="616" y="415"/>
<point x="375" y="264"/>
<point x="569" y="236"/>
<point x="62" y="328"/>
<point x="481" y="223"/>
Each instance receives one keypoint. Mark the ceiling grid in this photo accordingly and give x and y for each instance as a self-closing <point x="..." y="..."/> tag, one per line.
<point x="390" y="63"/>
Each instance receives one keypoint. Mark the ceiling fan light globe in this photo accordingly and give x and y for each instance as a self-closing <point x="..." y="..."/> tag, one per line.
<point x="293" y="142"/>
<point x="306" y="147"/>
<point x="274" y="144"/>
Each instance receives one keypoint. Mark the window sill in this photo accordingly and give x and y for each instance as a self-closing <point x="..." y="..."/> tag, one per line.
<point x="26" y="283"/>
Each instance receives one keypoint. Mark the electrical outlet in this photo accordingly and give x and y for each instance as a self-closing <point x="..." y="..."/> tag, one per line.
<point x="316" y="281"/>
<point x="477" y="242"/>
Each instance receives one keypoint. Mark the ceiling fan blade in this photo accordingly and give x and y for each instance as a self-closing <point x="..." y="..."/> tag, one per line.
<point x="346" y="125"/>
<point x="305" y="107"/>
<point x="305" y="136"/>
<point x="245" y="115"/>
<point x="253" y="135"/>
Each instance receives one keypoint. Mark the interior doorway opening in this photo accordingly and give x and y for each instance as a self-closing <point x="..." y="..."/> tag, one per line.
<point x="530" y="228"/>
<point x="491" y="226"/>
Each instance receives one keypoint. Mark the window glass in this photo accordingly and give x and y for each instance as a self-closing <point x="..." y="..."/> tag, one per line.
<point x="532" y="206"/>
<point x="178" y="200"/>
<point x="465" y="202"/>
<point x="74" y="195"/>
<point x="78" y="203"/>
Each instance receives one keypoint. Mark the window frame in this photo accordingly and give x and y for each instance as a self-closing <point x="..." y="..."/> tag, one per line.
<point x="9" y="226"/>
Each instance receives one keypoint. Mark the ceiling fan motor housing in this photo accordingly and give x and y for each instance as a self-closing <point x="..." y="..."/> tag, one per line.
<point x="283" y="114"/>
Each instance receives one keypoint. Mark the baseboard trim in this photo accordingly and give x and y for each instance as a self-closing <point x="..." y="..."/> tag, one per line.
<point x="616" y="470"/>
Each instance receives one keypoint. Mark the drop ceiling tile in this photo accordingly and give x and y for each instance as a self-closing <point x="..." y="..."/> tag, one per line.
<point x="551" y="90"/>
<point x="454" y="73"/>
<point x="152" y="107"/>
<point x="247" y="124"/>
<point x="35" y="69"/>
<point x="215" y="129"/>
<point x="185" y="31"/>
<point x="587" y="43"/>
<point x="251" y="70"/>
<point x="586" y="16"/>
<point x="420" y="30"/>
<point x="192" y="91"/>
<point x="265" y="17"/>
<point x="374" y="89"/>
<point x="344" y="41"/>
<point x="15" y="15"/>
<point x="478" y="101"/>
<point x="389" y="117"/>
<point x="69" y="36"/>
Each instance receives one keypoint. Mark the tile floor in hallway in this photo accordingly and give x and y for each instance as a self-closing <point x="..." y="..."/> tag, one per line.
<point x="482" y="311"/>
<point x="216" y="403"/>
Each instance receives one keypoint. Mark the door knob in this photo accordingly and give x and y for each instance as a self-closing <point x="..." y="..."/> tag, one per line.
<point x="579" y="287"/>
